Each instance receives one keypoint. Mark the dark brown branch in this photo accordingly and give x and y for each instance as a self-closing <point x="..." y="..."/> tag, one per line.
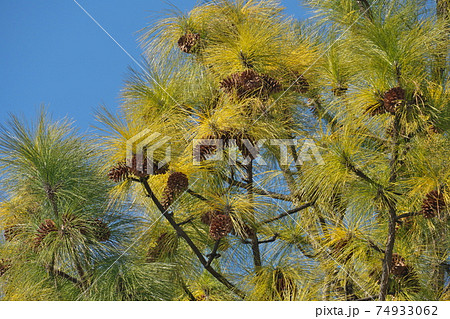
<point x="375" y="246"/>
<point x="362" y="175"/>
<point x="306" y="254"/>
<point x="213" y="253"/>
<point x="259" y="191"/>
<point x="270" y="240"/>
<point x="187" y="291"/>
<point x="289" y="212"/>
<point x="406" y="215"/>
<point x="394" y="166"/>
<point x="62" y="274"/>
<point x="254" y="237"/>
<point x="186" y="221"/>
<point x="189" y="191"/>
<point x="189" y="241"/>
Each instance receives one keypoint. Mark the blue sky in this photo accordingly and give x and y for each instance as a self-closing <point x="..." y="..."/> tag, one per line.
<point x="52" y="53"/>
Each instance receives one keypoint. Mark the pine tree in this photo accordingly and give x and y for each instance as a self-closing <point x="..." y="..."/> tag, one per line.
<point x="362" y="214"/>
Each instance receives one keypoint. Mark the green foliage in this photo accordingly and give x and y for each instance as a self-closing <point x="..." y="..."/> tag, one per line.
<point x="367" y="84"/>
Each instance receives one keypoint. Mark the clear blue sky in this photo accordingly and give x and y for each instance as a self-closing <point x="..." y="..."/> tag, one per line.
<point x="52" y="53"/>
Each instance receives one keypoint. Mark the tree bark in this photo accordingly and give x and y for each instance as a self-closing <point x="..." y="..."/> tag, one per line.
<point x="254" y="237"/>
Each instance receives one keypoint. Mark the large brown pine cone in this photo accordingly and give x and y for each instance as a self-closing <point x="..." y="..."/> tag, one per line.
<point x="188" y="42"/>
<point x="388" y="102"/>
<point x="433" y="204"/>
<point x="177" y="183"/>
<point x="207" y="217"/>
<point x="220" y="226"/>
<point x="392" y="97"/>
<point x="119" y="172"/>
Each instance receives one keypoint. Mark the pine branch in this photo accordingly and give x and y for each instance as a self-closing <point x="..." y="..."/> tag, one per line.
<point x="191" y="244"/>
<point x="187" y="291"/>
<point x="289" y="212"/>
<point x="254" y="237"/>
<point x="64" y="275"/>
<point x="259" y="191"/>
<point x="211" y="256"/>
<point x="392" y="208"/>
<point x="270" y="240"/>
<point x="406" y="215"/>
<point x="191" y="192"/>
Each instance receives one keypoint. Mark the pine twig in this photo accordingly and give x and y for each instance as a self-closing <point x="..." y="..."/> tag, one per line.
<point x="289" y="212"/>
<point x="191" y="244"/>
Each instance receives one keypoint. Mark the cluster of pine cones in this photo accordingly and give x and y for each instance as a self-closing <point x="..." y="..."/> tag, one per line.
<point x="250" y="83"/>
<point x="102" y="232"/>
<point x="44" y="229"/>
<point x="11" y="232"/>
<point x="121" y="171"/>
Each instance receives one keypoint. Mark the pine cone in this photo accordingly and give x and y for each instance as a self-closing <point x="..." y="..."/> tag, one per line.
<point x="207" y="217"/>
<point x="388" y="102"/>
<point x="44" y="229"/>
<point x="203" y="151"/>
<point x="119" y="172"/>
<point x="11" y="232"/>
<point x="188" y="42"/>
<point x="433" y="204"/>
<point x="283" y="286"/>
<point x="5" y="264"/>
<point x="391" y="98"/>
<point x="177" y="183"/>
<point x="398" y="266"/>
<point x="220" y="226"/>
<point x="248" y="83"/>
